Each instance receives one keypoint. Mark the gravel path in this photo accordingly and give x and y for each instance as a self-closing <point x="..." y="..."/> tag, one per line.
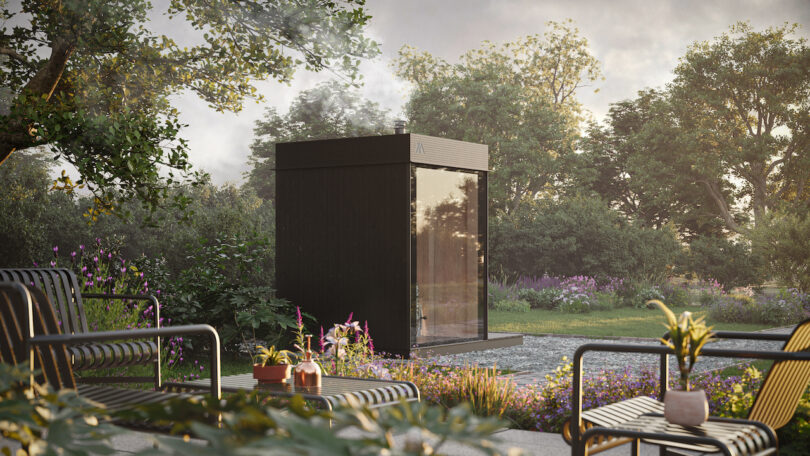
<point x="540" y="355"/>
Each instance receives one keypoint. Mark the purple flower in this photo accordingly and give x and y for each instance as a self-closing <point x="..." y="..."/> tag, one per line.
<point x="321" y="341"/>
<point x="299" y="320"/>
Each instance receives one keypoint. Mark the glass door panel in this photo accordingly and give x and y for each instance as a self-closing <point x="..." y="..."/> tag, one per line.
<point x="448" y="254"/>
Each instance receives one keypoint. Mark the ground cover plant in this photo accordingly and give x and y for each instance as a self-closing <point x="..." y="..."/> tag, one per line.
<point x="64" y="423"/>
<point x="620" y="307"/>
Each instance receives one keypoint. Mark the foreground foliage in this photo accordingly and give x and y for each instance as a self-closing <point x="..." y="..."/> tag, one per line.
<point x="64" y="423"/>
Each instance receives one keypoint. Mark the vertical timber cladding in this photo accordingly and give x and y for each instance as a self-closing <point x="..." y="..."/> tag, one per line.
<point x="343" y="233"/>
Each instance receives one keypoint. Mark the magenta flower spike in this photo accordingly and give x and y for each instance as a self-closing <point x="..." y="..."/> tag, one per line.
<point x="299" y="320"/>
<point x="321" y="342"/>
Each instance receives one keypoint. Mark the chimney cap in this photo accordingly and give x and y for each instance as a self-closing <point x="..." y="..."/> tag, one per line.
<point x="399" y="127"/>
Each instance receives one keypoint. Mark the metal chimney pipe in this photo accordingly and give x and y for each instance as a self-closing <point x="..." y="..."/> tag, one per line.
<point x="399" y="127"/>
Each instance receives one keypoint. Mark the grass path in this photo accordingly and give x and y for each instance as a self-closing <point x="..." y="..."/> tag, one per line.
<point x="627" y="322"/>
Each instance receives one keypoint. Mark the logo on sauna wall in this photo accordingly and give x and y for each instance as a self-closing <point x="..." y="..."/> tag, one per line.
<point x="419" y="148"/>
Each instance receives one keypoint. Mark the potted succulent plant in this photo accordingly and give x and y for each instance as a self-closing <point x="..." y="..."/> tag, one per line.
<point x="687" y="337"/>
<point x="271" y="365"/>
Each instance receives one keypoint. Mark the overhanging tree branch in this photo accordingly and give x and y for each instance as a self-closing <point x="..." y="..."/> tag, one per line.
<point x="15" y="56"/>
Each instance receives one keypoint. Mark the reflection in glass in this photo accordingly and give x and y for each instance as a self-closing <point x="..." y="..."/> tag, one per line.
<point x="448" y="254"/>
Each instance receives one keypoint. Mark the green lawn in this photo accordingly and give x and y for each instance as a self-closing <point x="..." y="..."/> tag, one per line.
<point x="626" y="321"/>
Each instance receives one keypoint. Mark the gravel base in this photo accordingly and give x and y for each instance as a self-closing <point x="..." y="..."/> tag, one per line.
<point x="540" y="355"/>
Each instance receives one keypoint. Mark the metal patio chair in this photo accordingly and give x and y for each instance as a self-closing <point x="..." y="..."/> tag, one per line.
<point x="63" y="290"/>
<point x="641" y="418"/>
<point x="31" y="334"/>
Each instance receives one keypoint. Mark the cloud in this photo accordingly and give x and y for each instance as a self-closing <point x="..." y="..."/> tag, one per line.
<point x="637" y="42"/>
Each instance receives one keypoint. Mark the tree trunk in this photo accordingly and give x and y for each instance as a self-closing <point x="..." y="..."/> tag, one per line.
<point x="44" y="82"/>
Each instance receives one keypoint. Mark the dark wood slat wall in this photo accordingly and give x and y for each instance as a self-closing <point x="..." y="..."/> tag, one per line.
<point x="343" y="237"/>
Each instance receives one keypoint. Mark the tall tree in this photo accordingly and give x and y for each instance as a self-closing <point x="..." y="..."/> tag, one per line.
<point x="629" y="162"/>
<point x="330" y="110"/>
<point x="518" y="98"/>
<point x="742" y="105"/>
<point x="90" y="79"/>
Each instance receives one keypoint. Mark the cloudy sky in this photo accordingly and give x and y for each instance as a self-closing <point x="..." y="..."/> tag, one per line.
<point x="638" y="44"/>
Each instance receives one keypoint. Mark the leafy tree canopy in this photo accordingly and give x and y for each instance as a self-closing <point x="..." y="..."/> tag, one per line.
<point x="92" y="80"/>
<point x="330" y="110"/>
<point x="724" y="143"/>
<point x="629" y="162"/>
<point x="518" y="98"/>
<point x="742" y="107"/>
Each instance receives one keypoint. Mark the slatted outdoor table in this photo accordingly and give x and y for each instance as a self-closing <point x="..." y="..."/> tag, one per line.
<point x="333" y="392"/>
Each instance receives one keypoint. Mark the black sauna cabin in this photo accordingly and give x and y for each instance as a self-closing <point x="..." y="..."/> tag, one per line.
<point x="392" y="228"/>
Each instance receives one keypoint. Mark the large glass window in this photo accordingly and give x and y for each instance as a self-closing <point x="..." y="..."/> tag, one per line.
<point x="449" y="261"/>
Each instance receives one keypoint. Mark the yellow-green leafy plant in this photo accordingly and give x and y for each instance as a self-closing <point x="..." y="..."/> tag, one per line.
<point x="271" y="356"/>
<point x="687" y="337"/>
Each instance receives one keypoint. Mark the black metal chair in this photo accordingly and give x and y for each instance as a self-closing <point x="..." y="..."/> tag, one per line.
<point x="641" y="419"/>
<point x="62" y="288"/>
<point x="31" y="334"/>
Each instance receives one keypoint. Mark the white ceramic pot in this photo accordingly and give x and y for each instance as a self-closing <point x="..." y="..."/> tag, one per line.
<point x="687" y="408"/>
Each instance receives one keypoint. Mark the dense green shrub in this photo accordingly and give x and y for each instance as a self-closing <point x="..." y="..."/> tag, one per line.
<point x="783" y="239"/>
<point x="708" y="292"/>
<point x="215" y="211"/>
<point x="512" y="305"/>
<point x="578" y="236"/>
<point x="735" y="308"/>
<point x="547" y="298"/>
<point x="604" y="300"/>
<point x="32" y="218"/>
<point x="572" y="302"/>
<point x="787" y="307"/>
<point x="675" y="295"/>
<point x="646" y="293"/>
<point x="225" y="287"/>
<point x="731" y="263"/>
<point x="498" y="291"/>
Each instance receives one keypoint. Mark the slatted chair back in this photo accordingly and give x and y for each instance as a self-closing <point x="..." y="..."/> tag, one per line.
<point x="785" y="383"/>
<point x="62" y="289"/>
<point x="20" y="308"/>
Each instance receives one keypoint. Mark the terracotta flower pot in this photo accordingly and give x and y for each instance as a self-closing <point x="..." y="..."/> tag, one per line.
<point x="271" y="374"/>
<point x="687" y="408"/>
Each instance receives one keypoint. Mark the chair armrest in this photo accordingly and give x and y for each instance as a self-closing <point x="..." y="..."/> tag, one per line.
<point x="745" y="335"/>
<point x="576" y="390"/>
<point x="144" y="333"/>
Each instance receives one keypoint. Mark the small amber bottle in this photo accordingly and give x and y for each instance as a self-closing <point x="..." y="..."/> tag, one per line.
<point x="307" y="374"/>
